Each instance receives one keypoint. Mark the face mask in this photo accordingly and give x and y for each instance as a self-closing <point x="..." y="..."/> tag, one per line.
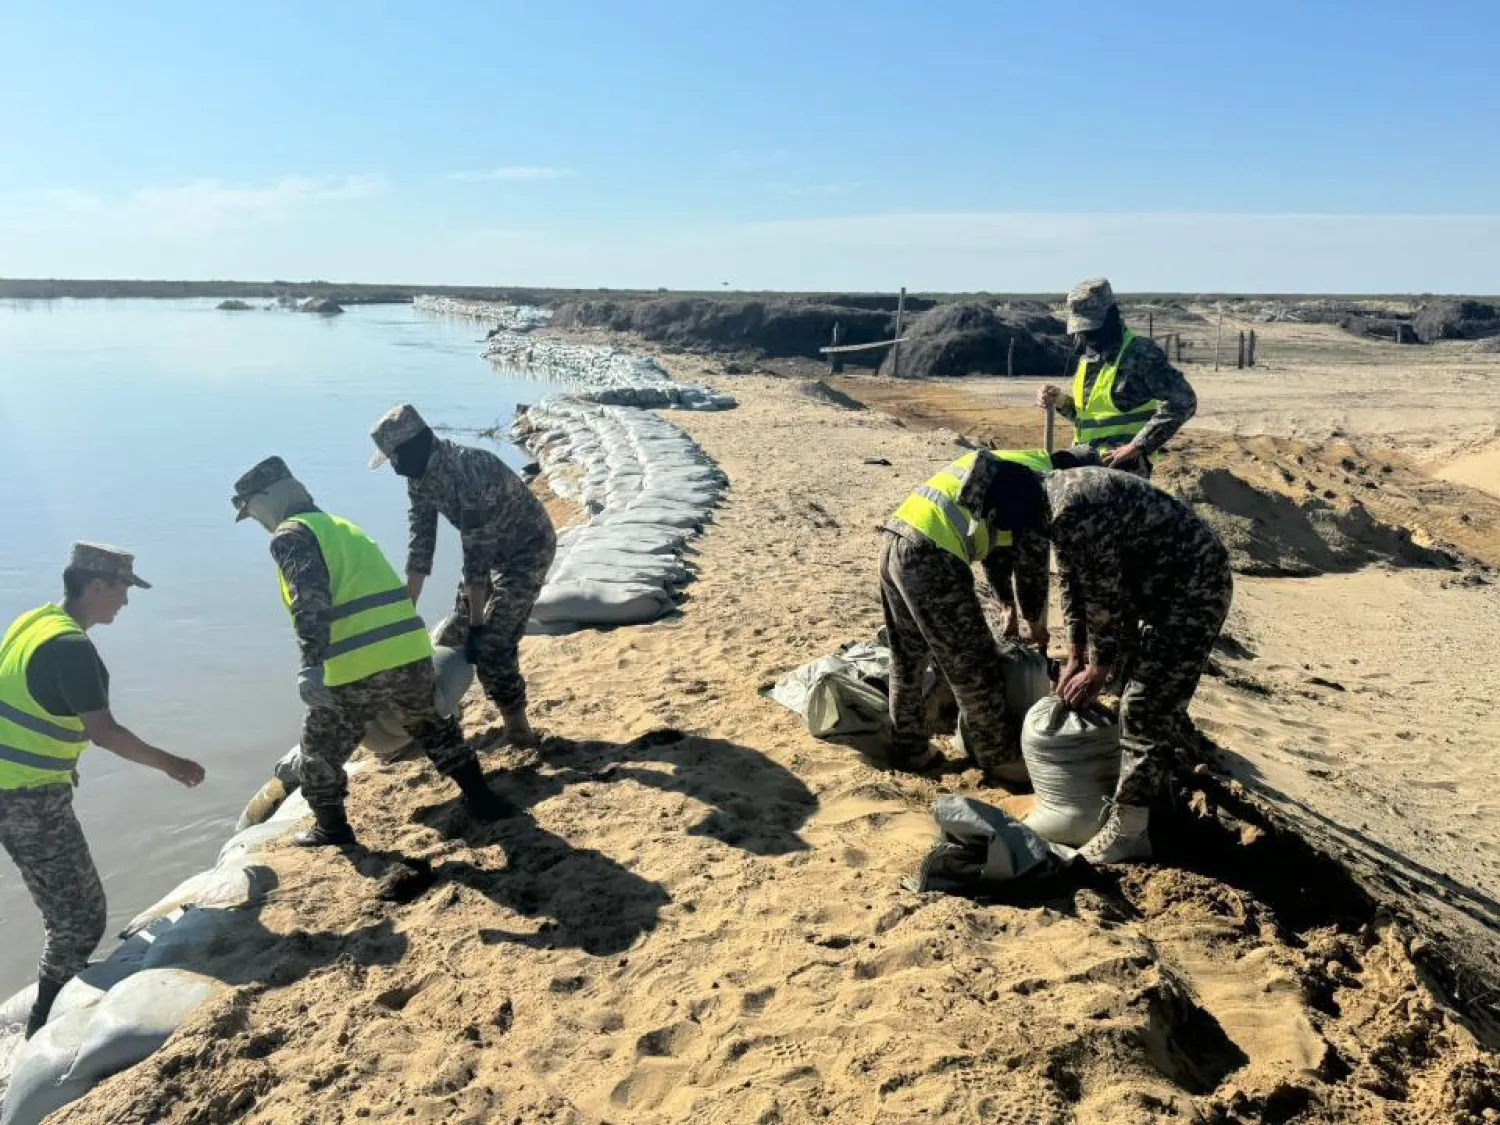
<point x="410" y="458"/>
<point x="271" y="507"/>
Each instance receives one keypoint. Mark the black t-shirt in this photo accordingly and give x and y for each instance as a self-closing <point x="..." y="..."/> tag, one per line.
<point x="66" y="676"/>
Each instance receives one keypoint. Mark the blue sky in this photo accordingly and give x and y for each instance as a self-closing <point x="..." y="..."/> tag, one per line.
<point x="865" y="145"/>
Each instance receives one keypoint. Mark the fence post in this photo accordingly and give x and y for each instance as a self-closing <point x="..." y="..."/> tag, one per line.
<point x="1250" y="357"/>
<point x="1151" y="326"/>
<point x="896" y="348"/>
<point x="836" y="359"/>
<point x="1010" y="359"/>
<point x="1240" y="359"/>
<point x="1177" y="339"/>
<point x="1218" y="337"/>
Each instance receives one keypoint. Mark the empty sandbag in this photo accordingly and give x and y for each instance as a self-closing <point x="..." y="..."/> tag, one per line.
<point x="1074" y="761"/>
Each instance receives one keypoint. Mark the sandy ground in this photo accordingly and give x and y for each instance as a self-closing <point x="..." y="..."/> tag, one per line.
<point x="698" y="918"/>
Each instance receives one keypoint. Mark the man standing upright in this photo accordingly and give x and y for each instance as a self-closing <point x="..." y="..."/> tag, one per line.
<point x="1127" y="399"/>
<point x="508" y="544"/>
<point x="54" y="698"/>
<point x="364" y="650"/>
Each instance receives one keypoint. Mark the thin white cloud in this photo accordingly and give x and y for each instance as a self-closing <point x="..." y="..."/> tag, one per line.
<point x="203" y="206"/>
<point x="512" y="173"/>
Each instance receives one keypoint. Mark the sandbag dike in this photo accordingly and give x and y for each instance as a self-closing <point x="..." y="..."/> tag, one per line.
<point x="123" y="1008"/>
<point x="509" y="318"/>
<point x="648" y="489"/>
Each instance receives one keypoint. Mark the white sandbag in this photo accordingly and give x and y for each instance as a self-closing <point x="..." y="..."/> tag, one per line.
<point x="1026" y="678"/>
<point x="656" y="516"/>
<point x="231" y="883"/>
<point x="648" y="570"/>
<point x="600" y="603"/>
<point x="99" y="977"/>
<point x="135" y="1018"/>
<point x="1074" y="762"/>
<point x="39" y="1082"/>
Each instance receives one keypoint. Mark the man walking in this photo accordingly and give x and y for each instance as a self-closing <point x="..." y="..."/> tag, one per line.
<point x="1127" y="399"/>
<point x="54" y="698"/>
<point x="932" y="610"/>
<point x="508" y="544"/>
<point x="1128" y="554"/>
<point x="364" y="650"/>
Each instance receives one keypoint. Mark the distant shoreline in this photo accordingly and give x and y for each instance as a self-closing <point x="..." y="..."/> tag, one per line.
<point x="42" y="289"/>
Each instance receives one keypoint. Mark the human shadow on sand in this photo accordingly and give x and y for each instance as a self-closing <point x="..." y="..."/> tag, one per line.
<point x="590" y="901"/>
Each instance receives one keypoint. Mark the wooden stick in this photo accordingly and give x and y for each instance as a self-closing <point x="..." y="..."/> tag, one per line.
<point x="1010" y="359"/>
<point x="896" y="347"/>
<point x="1047" y="427"/>
<point x="1219" y="335"/>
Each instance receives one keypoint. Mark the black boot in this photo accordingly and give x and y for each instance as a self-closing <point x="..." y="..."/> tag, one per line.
<point x="41" y="1008"/>
<point x="482" y="802"/>
<point x="331" y="830"/>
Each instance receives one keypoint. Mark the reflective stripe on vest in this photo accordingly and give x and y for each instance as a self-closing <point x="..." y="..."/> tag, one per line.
<point x="933" y="510"/>
<point x="1099" y="422"/>
<point x="36" y="747"/>
<point x="374" y="625"/>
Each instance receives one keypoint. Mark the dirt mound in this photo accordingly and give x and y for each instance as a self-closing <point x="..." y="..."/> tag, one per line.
<point x="1269" y="534"/>
<point x="973" y="339"/>
<point x="779" y="328"/>
<point x="818" y="389"/>
<point x="1490" y="345"/>
<point x="1457" y="320"/>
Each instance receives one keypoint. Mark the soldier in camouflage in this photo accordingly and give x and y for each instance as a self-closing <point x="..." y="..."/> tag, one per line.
<point x="54" y="699"/>
<point x="1129" y="554"/>
<point x="337" y="715"/>
<point x="1148" y="399"/>
<point x="508" y="545"/>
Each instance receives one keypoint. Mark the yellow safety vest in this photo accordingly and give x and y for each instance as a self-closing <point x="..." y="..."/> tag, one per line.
<point x="36" y="747"/>
<point x="375" y="626"/>
<point x="1098" y="422"/>
<point x="934" y="512"/>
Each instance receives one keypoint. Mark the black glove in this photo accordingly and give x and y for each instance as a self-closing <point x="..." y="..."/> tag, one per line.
<point x="471" y="643"/>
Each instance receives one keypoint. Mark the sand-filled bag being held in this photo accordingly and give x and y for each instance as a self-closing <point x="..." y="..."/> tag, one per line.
<point x="1074" y="761"/>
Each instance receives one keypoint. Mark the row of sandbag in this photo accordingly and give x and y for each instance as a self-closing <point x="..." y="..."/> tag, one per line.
<point x="600" y="374"/>
<point x="647" y="487"/>
<point x="122" y="1009"/>
<point x="509" y="318"/>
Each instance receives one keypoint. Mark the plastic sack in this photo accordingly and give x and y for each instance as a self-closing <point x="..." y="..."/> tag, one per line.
<point x="581" y="602"/>
<point x="978" y="846"/>
<point x="76" y="1051"/>
<point x="1074" y="761"/>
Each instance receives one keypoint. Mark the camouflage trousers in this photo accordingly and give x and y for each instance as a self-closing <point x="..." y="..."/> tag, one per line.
<point x="513" y="591"/>
<point x="331" y="734"/>
<point x="1171" y="650"/>
<point x="42" y="835"/>
<point x="932" y="612"/>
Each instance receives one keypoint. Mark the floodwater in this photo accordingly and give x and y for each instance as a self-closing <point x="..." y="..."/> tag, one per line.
<point x="127" y="422"/>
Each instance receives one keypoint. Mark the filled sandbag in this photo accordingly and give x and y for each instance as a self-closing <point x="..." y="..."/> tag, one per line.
<point x="579" y="602"/>
<point x="1074" y="761"/>
<point x="78" y="1050"/>
<point x="1026" y="676"/>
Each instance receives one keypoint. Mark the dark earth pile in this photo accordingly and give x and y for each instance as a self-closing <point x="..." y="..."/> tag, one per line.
<point x="974" y="339"/>
<point x="1394" y="329"/>
<point x="771" y="327"/>
<point x="1457" y="320"/>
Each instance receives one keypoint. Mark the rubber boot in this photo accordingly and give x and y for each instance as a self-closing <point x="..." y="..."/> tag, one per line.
<point x="331" y="830"/>
<point x="518" y="729"/>
<point x="482" y="802"/>
<point x="41" y="1008"/>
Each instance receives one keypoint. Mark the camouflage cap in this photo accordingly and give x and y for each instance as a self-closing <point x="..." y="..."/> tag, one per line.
<point x="256" y="481"/>
<point x="106" y="562"/>
<point x="1088" y="304"/>
<point x="396" y="427"/>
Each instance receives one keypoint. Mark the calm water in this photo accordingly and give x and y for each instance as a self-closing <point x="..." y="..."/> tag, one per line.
<point x="127" y="422"/>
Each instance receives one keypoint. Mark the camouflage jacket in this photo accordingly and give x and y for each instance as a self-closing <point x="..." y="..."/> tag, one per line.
<point x="1028" y="560"/>
<point x="479" y="494"/>
<point x="1145" y="374"/>
<point x="1125" y="549"/>
<point x="300" y="559"/>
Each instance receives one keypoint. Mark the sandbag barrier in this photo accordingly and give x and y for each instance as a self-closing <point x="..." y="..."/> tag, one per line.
<point x="510" y="318"/>
<point x="648" y="489"/>
<point x="601" y="374"/>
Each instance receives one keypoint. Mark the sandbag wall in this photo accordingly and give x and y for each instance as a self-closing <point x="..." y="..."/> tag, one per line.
<point x="647" y="487"/>
<point x="511" y="318"/>
<point x="605" y="375"/>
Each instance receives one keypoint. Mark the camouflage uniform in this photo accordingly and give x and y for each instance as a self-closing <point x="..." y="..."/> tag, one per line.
<point x="330" y="734"/>
<point x="1144" y="374"/>
<point x="1129" y="553"/>
<point x="932" y="612"/>
<point x="508" y="541"/>
<point x="42" y="835"/>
